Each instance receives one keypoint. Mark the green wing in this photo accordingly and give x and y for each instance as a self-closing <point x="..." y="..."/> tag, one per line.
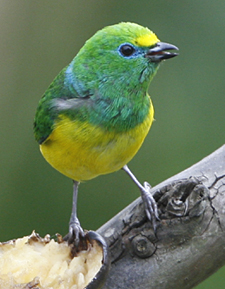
<point x="59" y="98"/>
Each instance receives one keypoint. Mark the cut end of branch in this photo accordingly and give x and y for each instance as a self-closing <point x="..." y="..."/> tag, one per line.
<point x="35" y="262"/>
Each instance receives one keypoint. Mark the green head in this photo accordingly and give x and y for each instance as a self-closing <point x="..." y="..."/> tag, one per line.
<point x="125" y="56"/>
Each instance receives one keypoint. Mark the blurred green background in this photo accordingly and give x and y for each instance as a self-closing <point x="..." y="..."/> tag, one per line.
<point x="39" y="38"/>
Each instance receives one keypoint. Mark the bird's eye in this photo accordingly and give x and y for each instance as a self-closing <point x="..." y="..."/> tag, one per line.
<point x="126" y="50"/>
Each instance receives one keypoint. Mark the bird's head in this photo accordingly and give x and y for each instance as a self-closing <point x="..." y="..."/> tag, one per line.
<point x="120" y="55"/>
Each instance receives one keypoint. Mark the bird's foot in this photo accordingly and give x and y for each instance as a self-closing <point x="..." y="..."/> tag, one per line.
<point x="76" y="233"/>
<point x="150" y="204"/>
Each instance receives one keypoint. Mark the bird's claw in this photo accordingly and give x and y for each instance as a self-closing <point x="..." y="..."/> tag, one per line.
<point x="150" y="204"/>
<point x="76" y="233"/>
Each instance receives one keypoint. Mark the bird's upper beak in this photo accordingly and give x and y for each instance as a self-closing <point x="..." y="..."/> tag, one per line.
<point x="159" y="52"/>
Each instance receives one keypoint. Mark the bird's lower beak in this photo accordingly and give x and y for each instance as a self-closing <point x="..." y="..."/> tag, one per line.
<point x="159" y="52"/>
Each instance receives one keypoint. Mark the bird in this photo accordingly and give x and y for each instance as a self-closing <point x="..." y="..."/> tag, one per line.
<point x="95" y="115"/>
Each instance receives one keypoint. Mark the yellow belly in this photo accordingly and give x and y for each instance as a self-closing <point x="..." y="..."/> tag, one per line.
<point x="82" y="151"/>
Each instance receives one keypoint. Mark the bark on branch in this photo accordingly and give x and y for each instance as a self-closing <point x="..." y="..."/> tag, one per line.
<point x="190" y="241"/>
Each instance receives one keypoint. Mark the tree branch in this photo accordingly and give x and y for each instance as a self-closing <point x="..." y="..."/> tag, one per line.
<point x="190" y="241"/>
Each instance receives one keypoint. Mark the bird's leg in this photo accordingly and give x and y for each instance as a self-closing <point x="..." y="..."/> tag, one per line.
<point x="75" y="229"/>
<point x="149" y="202"/>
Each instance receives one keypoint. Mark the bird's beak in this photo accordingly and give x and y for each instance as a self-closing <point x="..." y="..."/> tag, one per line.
<point x="159" y="52"/>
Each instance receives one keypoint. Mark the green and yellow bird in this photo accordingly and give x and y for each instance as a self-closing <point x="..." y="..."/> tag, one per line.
<point x="96" y="113"/>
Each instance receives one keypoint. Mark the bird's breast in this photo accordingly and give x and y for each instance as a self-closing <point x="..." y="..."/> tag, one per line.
<point x="82" y="151"/>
